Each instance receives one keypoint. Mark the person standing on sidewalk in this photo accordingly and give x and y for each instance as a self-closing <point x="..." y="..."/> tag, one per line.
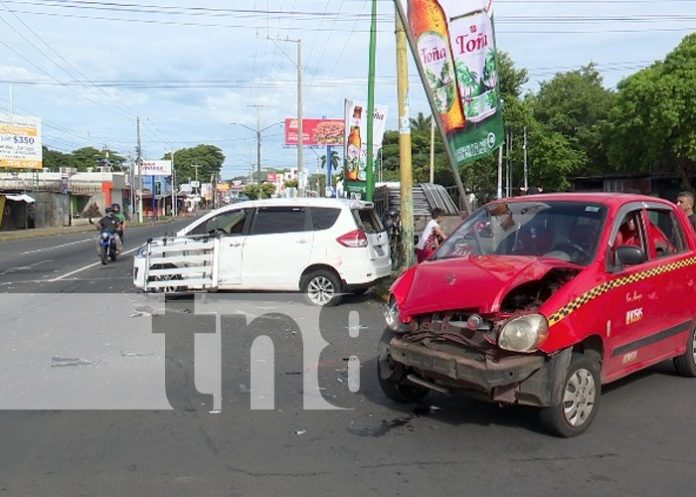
<point x="431" y="237"/>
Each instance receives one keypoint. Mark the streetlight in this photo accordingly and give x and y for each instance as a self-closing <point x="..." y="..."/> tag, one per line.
<point x="258" y="141"/>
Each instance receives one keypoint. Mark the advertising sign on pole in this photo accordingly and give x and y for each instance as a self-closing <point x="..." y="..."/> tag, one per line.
<point x="20" y="142"/>
<point x="354" y="170"/>
<point x="315" y="132"/>
<point x="157" y="168"/>
<point x="454" y="46"/>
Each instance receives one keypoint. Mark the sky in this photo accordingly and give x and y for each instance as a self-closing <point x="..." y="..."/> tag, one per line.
<point x="200" y="72"/>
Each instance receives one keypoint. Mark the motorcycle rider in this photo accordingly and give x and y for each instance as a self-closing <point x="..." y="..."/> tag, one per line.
<point x="109" y="224"/>
<point x="121" y="220"/>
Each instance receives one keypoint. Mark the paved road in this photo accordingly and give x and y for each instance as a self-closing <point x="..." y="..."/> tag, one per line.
<point x="84" y="350"/>
<point x="68" y="263"/>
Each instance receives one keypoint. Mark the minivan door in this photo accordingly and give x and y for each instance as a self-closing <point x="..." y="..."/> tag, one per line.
<point x="278" y="248"/>
<point x="230" y="226"/>
<point x="377" y="239"/>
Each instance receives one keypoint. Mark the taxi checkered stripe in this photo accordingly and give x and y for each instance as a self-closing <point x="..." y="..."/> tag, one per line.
<point x="600" y="290"/>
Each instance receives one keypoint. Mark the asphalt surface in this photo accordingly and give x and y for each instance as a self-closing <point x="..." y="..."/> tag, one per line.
<point x="90" y="371"/>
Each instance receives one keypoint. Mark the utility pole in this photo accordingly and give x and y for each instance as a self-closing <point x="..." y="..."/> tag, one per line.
<point x="499" y="192"/>
<point x="370" y="166"/>
<point x="139" y="158"/>
<point x="300" y="135"/>
<point x="432" y="149"/>
<point x="406" y="171"/>
<point x="524" y="147"/>
<point x="258" y="140"/>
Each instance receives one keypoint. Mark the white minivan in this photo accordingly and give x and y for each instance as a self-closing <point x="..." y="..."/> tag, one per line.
<point x="322" y="247"/>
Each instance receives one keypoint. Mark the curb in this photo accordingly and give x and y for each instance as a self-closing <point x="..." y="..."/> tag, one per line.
<point x="68" y="230"/>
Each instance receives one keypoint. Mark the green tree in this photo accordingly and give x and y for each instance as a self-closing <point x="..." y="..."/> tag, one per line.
<point x="421" y="124"/>
<point x="209" y="157"/>
<point x="85" y="157"/>
<point x="267" y="190"/>
<point x="654" y="129"/>
<point x="253" y="191"/>
<point x="576" y="105"/>
<point x="54" y="160"/>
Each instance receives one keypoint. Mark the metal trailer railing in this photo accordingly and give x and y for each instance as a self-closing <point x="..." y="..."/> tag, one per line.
<point x="182" y="263"/>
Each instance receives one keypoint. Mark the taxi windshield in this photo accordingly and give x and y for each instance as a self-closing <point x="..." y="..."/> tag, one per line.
<point x="563" y="230"/>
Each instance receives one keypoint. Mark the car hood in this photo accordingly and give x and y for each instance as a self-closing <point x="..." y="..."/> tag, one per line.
<point x="476" y="282"/>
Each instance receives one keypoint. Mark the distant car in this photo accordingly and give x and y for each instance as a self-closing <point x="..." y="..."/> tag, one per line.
<point x="322" y="247"/>
<point x="540" y="300"/>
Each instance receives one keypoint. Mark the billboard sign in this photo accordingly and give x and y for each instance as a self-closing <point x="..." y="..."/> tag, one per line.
<point x="315" y="132"/>
<point x="20" y="142"/>
<point x="156" y="168"/>
<point x="355" y="152"/>
<point x="454" y="46"/>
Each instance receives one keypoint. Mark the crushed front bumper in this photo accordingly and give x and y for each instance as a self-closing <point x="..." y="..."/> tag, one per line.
<point x="515" y="379"/>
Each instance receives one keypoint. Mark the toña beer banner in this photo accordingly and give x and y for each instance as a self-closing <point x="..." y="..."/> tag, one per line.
<point x="454" y="46"/>
<point x="355" y="153"/>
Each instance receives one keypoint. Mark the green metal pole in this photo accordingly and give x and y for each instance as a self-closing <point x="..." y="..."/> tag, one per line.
<point x="370" y="167"/>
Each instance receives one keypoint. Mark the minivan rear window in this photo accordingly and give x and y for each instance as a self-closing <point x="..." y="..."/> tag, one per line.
<point x="323" y="218"/>
<point x="367" y="220"/>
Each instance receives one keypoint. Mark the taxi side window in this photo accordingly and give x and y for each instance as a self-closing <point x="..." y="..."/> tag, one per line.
<point x="631" y="232"/>
<point x="665" y="232"/>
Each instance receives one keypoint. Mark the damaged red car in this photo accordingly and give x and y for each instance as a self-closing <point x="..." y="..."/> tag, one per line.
<point x="557" y="296"/>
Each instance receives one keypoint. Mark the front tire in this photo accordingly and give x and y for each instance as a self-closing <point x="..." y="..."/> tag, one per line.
<point x="322" y="288"/>
<point x="392" y="376"/>
<point x="577" y="407"/>
<point x="104" y="255"/>
<point x="686" y="364"/>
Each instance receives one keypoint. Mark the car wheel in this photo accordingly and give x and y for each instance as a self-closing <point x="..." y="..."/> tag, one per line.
<point x="686" y="364"/>
<point x="579" y="401"/>
<point x="392" y="377"/>
<point x="322" y="288"/>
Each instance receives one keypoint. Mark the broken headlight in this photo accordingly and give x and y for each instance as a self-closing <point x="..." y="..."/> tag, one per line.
<point x="524" y="333"/>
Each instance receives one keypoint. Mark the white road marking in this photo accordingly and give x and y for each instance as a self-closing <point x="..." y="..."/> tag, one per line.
<point x="46" y="249"/>
<point x="89" y="266"/>
<point x="25" y="268"/>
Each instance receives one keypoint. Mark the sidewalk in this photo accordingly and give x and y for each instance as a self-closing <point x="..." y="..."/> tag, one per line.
<point x="81" y="228"/>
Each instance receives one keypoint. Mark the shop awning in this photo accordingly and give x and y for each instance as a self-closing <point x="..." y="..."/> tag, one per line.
<point x="21" y="198"/>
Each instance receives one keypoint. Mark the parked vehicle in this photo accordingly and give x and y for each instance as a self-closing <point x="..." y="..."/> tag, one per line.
<point x="322" y="247"/>
<point x="541" y="300"/>
<point x="108" y="247"/>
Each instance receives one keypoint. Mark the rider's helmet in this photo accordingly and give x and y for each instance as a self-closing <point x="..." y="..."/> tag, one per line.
<point x="109" y="212"/>
<point x="116" y="208"/>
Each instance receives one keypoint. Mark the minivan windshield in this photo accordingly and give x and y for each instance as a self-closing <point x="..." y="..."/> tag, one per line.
<point x="563" y="230"/>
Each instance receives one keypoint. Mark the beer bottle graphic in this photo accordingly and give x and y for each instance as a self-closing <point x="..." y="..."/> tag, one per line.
<point x="354" y="145"/>
<point x="429" y="27"/>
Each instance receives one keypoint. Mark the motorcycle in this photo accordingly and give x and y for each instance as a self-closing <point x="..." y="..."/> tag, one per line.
<point x="108" y="247"/>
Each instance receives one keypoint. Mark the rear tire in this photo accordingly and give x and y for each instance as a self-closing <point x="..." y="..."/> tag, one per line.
<point x="322" y="288"/>
<point x="577" y="407"/>
<point x="686" y="364"/>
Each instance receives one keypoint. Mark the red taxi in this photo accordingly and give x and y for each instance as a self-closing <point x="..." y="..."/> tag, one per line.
<point x="560" y="294"/>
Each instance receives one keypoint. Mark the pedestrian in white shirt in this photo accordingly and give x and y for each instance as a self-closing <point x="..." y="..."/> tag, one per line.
<point x="431" y="237"/>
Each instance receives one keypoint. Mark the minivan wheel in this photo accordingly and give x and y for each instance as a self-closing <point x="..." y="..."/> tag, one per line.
<point x="577" y="407"/>
<point x="686" y="364"/>
<point x="322" y="288"/>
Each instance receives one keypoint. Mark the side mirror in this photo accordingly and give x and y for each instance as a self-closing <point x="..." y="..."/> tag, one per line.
<point x="629" y="255"/>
